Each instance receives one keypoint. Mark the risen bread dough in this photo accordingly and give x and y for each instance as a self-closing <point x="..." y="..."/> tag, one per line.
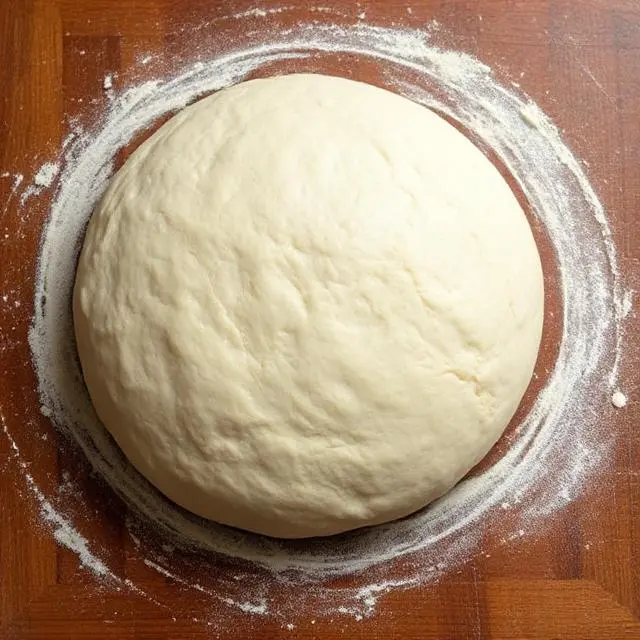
<point x="306" y="305"/>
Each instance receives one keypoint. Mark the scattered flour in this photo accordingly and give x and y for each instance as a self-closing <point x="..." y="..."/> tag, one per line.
<point x="18" y="179"/>
<point x="64" y="531"/>
<point x="627" y="303"/>
<point x="107" y="85"/>
<point x="46" y="174"/>
<point x="619" y="400"/>
<point x="248" y="607"/>
<point x="42" y="180"/>
<point x="558" y="444"/>
<point x="529" y="114"/>
<point x="263" y="13"/>
<point x="251" y="13"/>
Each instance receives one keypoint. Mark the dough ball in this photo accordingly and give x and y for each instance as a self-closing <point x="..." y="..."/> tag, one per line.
<point x="306" y="305"/>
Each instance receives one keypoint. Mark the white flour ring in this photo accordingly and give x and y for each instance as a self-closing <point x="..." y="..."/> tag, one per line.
<point x="558" y="443"/>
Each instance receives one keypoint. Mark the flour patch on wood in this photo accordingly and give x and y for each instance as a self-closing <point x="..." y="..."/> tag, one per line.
<point x="619" y="400"/>
<point x="46" y="174"/>
<point x="43" y="179"/>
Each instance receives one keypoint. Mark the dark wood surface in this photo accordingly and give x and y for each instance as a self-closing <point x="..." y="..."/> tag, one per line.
<point x="577" y="576"/>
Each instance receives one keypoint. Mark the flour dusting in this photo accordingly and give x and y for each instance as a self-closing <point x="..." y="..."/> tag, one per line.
<point x="619" y="400"/>
<point x="17" y="179"/>
<point x="46" y="174"/>
<point x="63" y="530"/>
<point x="556" y="447"/>
<point x="43" y="179"/>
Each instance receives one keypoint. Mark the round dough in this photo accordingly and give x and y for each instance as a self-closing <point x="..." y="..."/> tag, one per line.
<point x="307" y="305"/>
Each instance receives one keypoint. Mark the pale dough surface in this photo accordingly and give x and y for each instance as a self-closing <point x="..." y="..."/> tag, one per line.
<point x="306" y="305"/>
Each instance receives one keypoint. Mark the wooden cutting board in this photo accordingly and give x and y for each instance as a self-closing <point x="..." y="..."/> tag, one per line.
<point x="576" y="575"/>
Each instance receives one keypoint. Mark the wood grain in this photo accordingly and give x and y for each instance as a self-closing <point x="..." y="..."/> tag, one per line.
<point x="577" y="576"/>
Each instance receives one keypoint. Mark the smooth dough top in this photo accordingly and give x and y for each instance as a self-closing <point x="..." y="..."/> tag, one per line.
<point x="306" y="305"/>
